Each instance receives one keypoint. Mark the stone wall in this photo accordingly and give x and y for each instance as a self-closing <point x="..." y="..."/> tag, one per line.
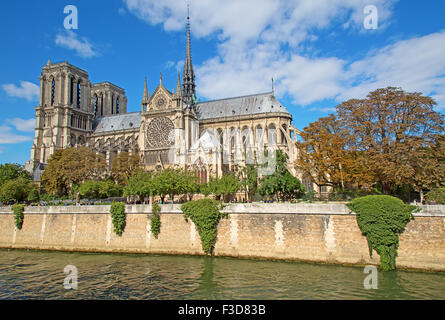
<point x="326" y="233"/>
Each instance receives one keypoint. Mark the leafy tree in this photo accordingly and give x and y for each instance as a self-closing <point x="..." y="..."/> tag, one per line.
<point x="170" y="182"/>
<point x="139" y="184"/>
<point x="249" y="180"/>
<point x="325" y="155"/>
<point x="16" y="190"/>
<point x="225" y="186"/>
<point x="11" y="171"/>
<point x="281" y="183"/>
<point x="124" y="166"/>
<point x="189" y="183"/>
<point x="436" y="195"/>
<point x="99" y="189"/>
<point x="72" y="166"/>
<point x="394" y="129"/>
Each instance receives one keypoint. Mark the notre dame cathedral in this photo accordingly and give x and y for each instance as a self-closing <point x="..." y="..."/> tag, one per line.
<point x="172" y="128"/>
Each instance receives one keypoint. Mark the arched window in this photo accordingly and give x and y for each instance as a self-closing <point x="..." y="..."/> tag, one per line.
<point x="102" y="105"/>
<point x="53" y="91"/>
<point x="79" y="93"/>
<point x="272" y="135"/>
<point x="112" y="104"/>
<point x="96" y="102"/>
<point x="117" y="105"/>
<point x="72" y="91"/>
<point x="72" y="120"/>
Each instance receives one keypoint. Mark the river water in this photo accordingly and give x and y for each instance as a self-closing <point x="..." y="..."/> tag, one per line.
<point x="40" y="275"/>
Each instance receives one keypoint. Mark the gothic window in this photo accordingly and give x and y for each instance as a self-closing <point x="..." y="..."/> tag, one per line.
<point x="72" y="91"/>
<point x="72" y="120"/>
<point x="272" y="135"/>
<point x="112" y="104"/>
<point x="102" y="105"/>
<point x="96" y="102"/>
<point x="159" y="133"/>
<point x="53" y="91"/>
<point x="117" y="105"/>
<point x="79" y="93"/>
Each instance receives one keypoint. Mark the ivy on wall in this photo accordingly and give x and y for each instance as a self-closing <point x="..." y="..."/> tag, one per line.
<point x="381" y="219"/>
<point x="118" y="217"/>
<point x="18" y="215"/>
<point x="205" y="214"/>
<point x="156" y="220"/>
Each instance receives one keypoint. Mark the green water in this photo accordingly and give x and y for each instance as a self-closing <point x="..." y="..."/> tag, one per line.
<point x="40" y="275"/>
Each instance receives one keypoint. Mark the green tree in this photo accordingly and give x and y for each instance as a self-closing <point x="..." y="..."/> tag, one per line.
<point x="140" y="184"/>
<point x="281" y="184"/>
<point x="11" y="171"/>
<point x="167" y="182"/>
<point x="16" y="190"/>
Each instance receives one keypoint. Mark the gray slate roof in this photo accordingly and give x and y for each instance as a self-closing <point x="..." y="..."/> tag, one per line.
<point x="118" y="122"/>
<point x="240" y="106"/>
<point x="230" y="107"/>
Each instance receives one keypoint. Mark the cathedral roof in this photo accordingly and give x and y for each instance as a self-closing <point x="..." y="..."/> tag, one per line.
<point x="240" y="106"/>
<point x="117" y="122"/>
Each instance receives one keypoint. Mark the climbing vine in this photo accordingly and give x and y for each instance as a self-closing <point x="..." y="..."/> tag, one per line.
<point x="18" y="215"/>
<point x="118" y="217"/>
<point x="381" y="219"/>
<point x="205" y="214"/>
<point x="156" y="220"/>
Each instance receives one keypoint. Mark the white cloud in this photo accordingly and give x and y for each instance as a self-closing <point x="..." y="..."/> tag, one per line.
<point x="261" y="39"/>
<point x="27" y="90"/>
<point x="8" y="137"/>
<point x="416" y="65"/>
<point x="83" y="47"/>
<point x="23" y="125"/>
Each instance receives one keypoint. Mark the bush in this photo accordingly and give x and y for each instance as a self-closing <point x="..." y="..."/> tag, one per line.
<point x="18" y="215"/>
<point x="156" y="220"/>
<point x="381" y="219"/>
<point x="436" y="195"/>
<point x="205" y="215"/>
<point x="118" y="217"/>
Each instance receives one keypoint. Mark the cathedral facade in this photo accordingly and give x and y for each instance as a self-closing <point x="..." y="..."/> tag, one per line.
<point x="172" y="128"/>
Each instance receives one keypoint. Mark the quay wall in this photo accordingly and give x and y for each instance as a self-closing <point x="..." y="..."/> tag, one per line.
<point x="321" y="233"/>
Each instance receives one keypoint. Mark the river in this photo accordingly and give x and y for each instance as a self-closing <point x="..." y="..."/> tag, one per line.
<point x="40" y="275"/>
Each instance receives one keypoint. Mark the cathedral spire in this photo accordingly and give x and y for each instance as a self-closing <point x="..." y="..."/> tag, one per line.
<point x="188" y="76"/>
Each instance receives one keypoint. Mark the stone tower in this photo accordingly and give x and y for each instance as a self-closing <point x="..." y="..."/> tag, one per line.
<point x="64" y="117"/>
<point x="188" y="76"/>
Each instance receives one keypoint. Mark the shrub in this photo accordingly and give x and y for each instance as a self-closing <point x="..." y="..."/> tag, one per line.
<point x="436" y="195"/>
<point x="18" y="215"/>
<point x="156" y="220"/>
<point x="381" y="219"/>
<point x="14" y="191"/>
<point x="118" y="217"/>
<point x="205" y="214"/>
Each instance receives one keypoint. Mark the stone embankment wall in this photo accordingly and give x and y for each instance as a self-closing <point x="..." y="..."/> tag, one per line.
<point x="326" y="233"/>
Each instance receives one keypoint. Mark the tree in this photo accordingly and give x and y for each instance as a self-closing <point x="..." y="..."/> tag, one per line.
<point x="16" y="190"/>
<point x="124" y="166"/>
<point x="11" y="171"/>
<point x="281" y="183"/>
<point x="225" y="186"/>
<point x="167" y="182"/>
<point x="325" y="155"/>
<point x="393" y="129"/>
<point x="99" y="189"/>
<point x="189" y="184"/>
<point x="72" y="166"/>
<point x="139" y="184"/>
<point x="249" y="180"/>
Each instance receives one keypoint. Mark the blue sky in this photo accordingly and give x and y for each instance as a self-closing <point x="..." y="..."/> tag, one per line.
<point x="318" y="52"/>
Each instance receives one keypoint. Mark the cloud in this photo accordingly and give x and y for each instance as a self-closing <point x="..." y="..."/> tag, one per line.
<point x="27" y="90"/>
<point x="83" y="47"/>
<point x="416" y="65"/>
<point x="261" y="39"/>
<point x="179" y="65"/>
<point x="8" y="137"/>
<point x="23" y="125"/>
